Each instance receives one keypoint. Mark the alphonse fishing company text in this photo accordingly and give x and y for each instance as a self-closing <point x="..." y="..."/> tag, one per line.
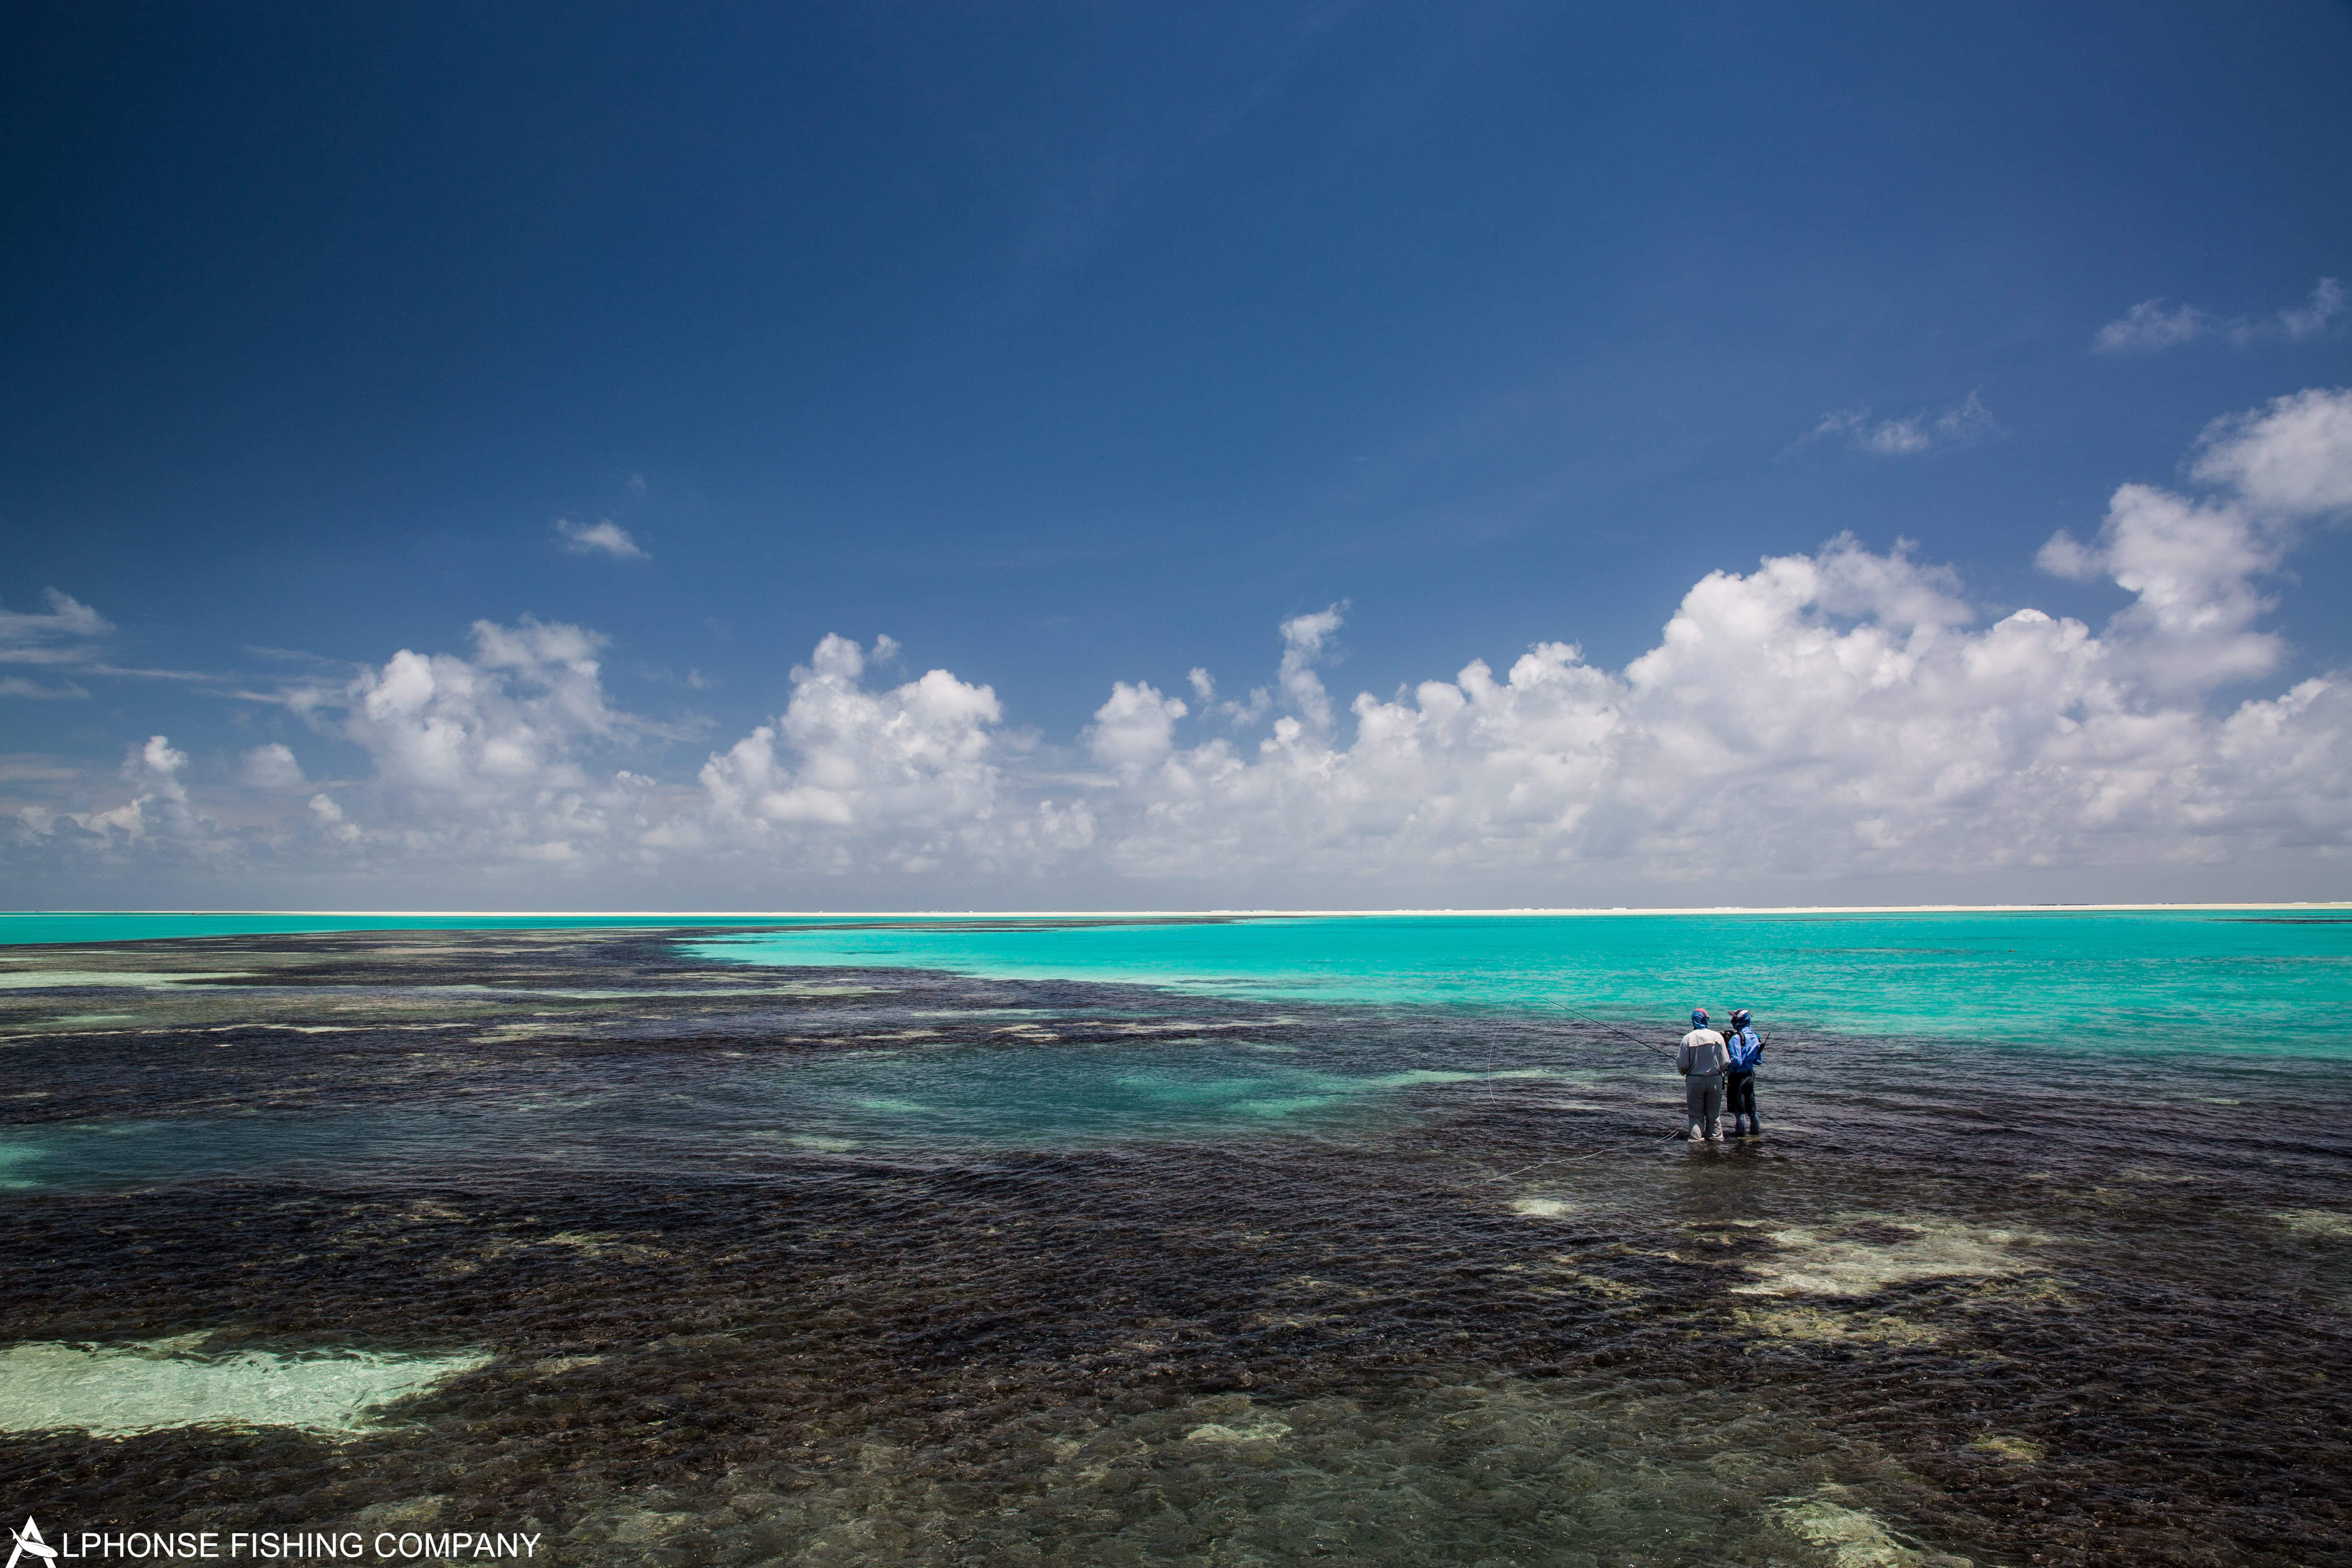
<point x="268" y="1545"/>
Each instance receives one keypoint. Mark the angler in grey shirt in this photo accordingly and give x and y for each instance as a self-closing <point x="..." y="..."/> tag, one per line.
<point x="1701" y="1060"/>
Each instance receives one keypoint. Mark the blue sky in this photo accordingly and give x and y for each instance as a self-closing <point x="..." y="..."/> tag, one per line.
<point x="1073" y="345"/>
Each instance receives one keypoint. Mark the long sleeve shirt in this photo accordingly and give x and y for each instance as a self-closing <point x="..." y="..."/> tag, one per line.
<point x="1702" y="1053"/>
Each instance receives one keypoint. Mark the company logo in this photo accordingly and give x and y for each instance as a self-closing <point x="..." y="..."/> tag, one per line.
<point x="29" y="1544"/>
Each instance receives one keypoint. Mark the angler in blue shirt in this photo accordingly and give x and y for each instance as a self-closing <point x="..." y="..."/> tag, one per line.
<point x="1747" y="1050"/>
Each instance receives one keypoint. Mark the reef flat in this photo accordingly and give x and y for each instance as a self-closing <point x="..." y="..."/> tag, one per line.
<point x="686" y="1261"/>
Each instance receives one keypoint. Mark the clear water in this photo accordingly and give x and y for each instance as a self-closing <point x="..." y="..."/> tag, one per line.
<point x="868" y="1102"/>
<point x="1270" y="1241"/>
<point x="2163" y="981"/>
<point x="1338" y="1029"/>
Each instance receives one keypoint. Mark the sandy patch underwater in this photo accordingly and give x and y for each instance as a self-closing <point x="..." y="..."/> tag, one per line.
<point x="118" y="1390"/>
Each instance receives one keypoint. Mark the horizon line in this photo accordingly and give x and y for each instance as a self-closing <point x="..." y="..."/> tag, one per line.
<point x="691" y="915"/>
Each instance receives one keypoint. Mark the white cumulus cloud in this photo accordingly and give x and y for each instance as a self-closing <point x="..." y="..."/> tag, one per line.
<point x="2292" y="456"/>
<point x="507" y="754"/>
<point x="603" y="537"/>
<point x="271" y="767"/>
<point x="159" y="808"/>
<point x="909" y="770"/>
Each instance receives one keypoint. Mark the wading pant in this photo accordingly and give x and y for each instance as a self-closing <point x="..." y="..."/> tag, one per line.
<point x="1706" y="1095"/>
<point x="1739" y="1094"/>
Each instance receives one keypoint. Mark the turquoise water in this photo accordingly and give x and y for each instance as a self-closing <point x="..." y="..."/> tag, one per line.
<point x="2265" y="981"/>
<point x="2156" y="981"/>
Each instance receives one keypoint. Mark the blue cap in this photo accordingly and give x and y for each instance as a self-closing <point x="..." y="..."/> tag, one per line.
<point x="1740" y="1017"/>
<point x="1699" y="1017"/>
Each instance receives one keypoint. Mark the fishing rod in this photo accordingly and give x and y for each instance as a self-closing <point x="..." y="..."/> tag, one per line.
<point x="1622" y="1034"/>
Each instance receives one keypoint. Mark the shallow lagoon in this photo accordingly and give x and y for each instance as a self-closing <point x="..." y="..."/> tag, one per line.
<point x="1011" y="1257"/>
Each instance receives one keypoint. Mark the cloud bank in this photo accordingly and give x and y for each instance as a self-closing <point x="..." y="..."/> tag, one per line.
<point x="1823" y="724"/>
